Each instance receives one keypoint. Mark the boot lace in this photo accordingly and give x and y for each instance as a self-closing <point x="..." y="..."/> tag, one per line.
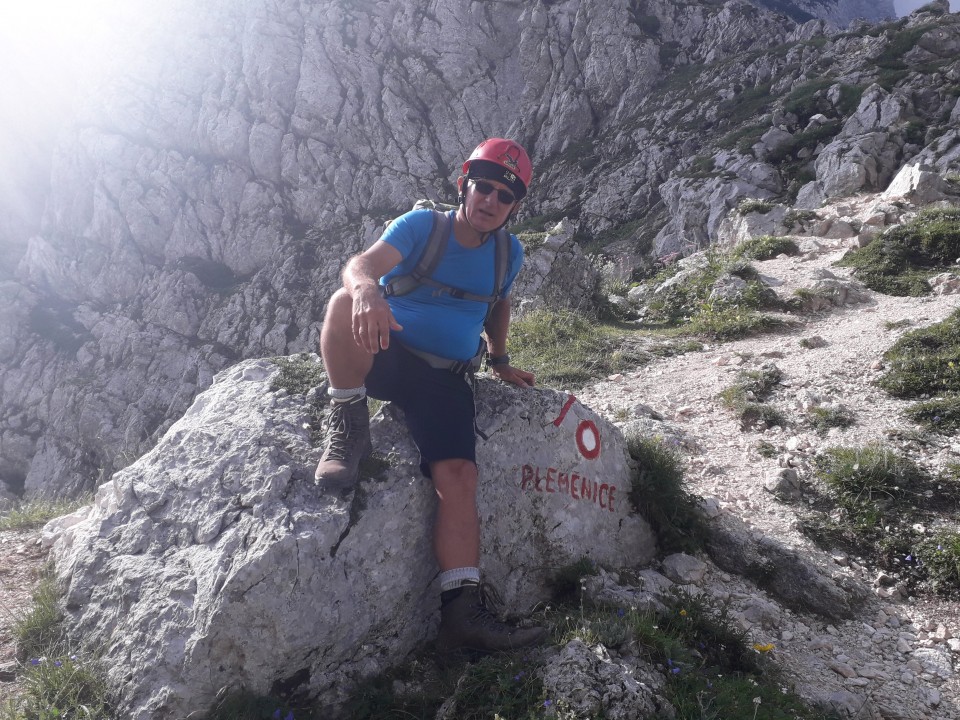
<point x="484" y="612"/>
<point x="338" y="426"/>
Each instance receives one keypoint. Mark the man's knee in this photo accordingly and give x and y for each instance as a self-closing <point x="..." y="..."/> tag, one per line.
<point x="339" y="306"/>
<point x="455" y="475"/>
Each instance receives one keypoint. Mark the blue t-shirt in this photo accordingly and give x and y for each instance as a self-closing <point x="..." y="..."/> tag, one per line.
<point x="432" y="320"/>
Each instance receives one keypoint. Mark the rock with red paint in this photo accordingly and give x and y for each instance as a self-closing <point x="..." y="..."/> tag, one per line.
<point x="216" y="560"/>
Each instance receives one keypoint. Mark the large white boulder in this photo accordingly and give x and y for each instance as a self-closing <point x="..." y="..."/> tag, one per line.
<point x="214" y="561"/>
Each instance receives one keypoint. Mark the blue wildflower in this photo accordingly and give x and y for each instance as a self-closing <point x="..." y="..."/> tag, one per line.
<point x="276" y="714"/>
<point x="58" y="663"/>
<point x="289" y="716"/>
<point x="909" y="558"/>
<point x="548" y="702"/>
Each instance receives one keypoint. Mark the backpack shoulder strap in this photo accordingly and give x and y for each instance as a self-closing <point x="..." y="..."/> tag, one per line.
<point x="429" y="259"/>
<point x="501" y="261"/>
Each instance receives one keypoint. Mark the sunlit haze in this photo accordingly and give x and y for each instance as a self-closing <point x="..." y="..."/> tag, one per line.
<point x="51" y="53"/>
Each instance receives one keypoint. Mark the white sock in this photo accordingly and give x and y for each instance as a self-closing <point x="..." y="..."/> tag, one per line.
<point x="452" y="579"/>
<point x="347" y="393"/>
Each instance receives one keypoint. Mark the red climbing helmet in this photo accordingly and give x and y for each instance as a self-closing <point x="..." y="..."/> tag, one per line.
<point x="501" y="160"/>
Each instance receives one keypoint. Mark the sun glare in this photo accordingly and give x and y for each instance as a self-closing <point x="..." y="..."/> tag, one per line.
<point x="61" y="38"/>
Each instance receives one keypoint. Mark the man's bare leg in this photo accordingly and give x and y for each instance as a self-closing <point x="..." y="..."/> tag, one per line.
<point x="347" y="364"/>
<point x="465" y="621"/>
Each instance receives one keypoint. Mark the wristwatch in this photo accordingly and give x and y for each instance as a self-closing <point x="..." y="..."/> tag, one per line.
<point x="498" y="360"/>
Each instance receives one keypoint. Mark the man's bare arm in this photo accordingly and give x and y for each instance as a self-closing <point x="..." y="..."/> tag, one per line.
<point x="372" y="317"/>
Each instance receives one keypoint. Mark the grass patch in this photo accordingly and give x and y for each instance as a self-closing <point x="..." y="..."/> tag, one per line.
<point x="875" y="504"/>
<point x="765" y="247"/>
<point x="57" y="681"/>
<point x="766" y="449"/>
<point x="36" y="513"/>
<point x="566" y="349"/>
<point x="298" y="374"/>
<point x="925" y="361"/>
<point x="658" y="493"/>
<point x="799" y="218"/>
<point x="746" y="398"/>
<point x="867" y="481"/>
<point x="712" y="669"/>
<point x="565" y="582"/>
<point x="824" y="418"/>
<point x="940" y="555"/>
<point x="724" y="322"/>
<point x="687" y="303"/>
<point x="902" y="258"/>
<point x="248" y="706"/>
<point x="705" y="659"/>
<point x="941" y="415"/>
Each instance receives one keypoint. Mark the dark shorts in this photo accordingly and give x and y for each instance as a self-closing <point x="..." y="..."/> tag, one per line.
<point x="437" y="404"/>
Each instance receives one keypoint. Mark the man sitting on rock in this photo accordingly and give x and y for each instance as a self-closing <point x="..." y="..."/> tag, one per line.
<point x="415" y="344"/>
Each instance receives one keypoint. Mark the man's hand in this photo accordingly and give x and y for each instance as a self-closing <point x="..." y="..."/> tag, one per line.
<point x="510" y="374"/>
<point x="372" y="320"/>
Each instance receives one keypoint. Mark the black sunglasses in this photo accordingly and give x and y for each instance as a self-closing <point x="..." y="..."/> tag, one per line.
<point x="485" y="188"/>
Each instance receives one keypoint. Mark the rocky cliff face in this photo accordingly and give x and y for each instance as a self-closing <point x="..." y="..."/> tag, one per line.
<point x="200" y="212"/>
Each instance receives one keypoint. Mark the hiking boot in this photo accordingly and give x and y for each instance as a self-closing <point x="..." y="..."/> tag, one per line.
<point x="348" y="442"/>
<point x="467" y="624"/>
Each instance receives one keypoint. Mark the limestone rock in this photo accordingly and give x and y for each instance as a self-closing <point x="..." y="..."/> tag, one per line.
<point x="556" y="274"/>
<point x="916" y="185"/>
<point x="588" y="683"/>
<point x="945" y="284"/>
<point x="215" y="561"/>
<point x="799" y="582"/>
<point x="684" y="569"/>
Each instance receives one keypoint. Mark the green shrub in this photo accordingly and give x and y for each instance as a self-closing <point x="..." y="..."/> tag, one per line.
<point x="658" y="493"/>
<point x="870" y="485"/>
<point x="798" y="218"/>
<point x="925" y="361"/>
<point x="822" y="419"/>
<point x="747" y="206"/>
<point x="940" y="555"/>
<point x="724" y="322"/>
<point x="941" y="415"/>
<point x="901" y="259"/>
<point x="766" y="247"/>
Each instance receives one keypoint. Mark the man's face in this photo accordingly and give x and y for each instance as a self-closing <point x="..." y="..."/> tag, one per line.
<point x="488" y="203"/>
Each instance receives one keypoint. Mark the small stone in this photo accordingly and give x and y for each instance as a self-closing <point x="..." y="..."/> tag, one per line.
<point x="931" y="696"/>
<point x="903" y="646"/>
<point x="842" y="669"/>
<point x="954" y="645"/>
<point x="906" y="678"/>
